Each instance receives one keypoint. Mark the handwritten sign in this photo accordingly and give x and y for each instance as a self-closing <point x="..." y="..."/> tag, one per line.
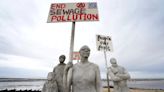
<point x="104" y="43"/>
<point x="69" y="12"/>
<point x="76" y="56"/>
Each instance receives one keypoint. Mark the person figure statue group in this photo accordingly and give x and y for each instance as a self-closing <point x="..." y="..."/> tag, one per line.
<point x="119" y="76"/>
<point x="83" y="76"/>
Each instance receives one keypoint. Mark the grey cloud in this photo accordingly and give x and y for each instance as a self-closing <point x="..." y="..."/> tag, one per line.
<point x="16" y="15"/>
<point x="22" y="73"/>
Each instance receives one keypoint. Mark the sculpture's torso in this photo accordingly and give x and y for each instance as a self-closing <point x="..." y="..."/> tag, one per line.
<point x="118" y="69"/>
<point x="50" y="87"/>
<point x="59" y="71"/>
<point x="119" y="86"/>
<point x="83" y="79"/>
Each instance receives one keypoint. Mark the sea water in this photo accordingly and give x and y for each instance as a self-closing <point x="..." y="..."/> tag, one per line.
<point x="35" y="84"/>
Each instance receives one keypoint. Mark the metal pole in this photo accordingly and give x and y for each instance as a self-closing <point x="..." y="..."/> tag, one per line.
<point x="72" y="42"/>
<point x="107" y="71"/>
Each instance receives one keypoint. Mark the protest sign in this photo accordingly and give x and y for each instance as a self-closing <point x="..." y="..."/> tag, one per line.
<point x="72" y="12"/>
<point x="104" y="43"/>
<point x="76" y="56"/>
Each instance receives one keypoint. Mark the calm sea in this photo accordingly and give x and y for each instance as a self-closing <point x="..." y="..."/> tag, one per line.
<point x="37" y="84"/>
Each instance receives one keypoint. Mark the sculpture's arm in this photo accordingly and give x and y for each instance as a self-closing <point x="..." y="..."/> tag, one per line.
<point x="67" y="77"/>
<point x="98" y="80"/>
<point x="112" y="76"/>
<point x="125" y="75"/>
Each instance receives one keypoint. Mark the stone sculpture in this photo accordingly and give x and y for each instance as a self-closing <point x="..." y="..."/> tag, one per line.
<point x="83" y="76"/>
<point x="119" y="76"/>
<point x="50" y="85"/>
<point x="59" y="71"/>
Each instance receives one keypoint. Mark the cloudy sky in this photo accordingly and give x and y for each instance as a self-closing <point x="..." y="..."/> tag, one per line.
<point x="30" y="47"/>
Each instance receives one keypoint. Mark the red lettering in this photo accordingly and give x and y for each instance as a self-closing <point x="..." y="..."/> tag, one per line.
<point x="53" y="18"/>
<point x="68" y="18"/>
<point x="85" y="18"/>
<point x="89" y="16"/>
<point x="62" y="18"/>
<point x="58" y="6"/>
<point x="53" y="6"/>
<point x="95" y="17"/>
<point x="57" y="18"/>
<point x="81" y="16"/>
<point x="74" y="17"/>
<point x="80" y="5"/>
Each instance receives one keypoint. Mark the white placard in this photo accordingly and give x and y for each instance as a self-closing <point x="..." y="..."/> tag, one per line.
<point x="104" y="43"/>
<point x="76" y="56"/>
<point x="69" y="12"/>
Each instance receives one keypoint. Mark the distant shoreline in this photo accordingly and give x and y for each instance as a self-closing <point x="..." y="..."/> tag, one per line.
<point x="141" y="79"/>
<point x="104" y="90"/>
<point x="43" y="79"/>
<point x="37" y="79"/>
<point x="19" y="79"/>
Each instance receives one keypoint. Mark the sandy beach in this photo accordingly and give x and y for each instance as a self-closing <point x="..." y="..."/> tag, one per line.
<point x="137" y="90"/>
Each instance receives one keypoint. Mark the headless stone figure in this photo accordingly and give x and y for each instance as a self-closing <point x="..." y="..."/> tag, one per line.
<point x="83" y="76"/>
<point x="50" y="85"/>
<point x="119" y="76"/>
<point x="59" y="70"/>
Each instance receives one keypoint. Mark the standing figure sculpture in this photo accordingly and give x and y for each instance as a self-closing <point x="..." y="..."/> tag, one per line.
<point x="50" y="85"/>
<point x="119" y="76"/>
<point x="59" y="71"/>
<point x="83" y="76"/>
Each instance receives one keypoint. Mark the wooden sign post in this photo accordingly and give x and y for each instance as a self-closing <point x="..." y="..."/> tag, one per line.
<point x="104" y="43"/>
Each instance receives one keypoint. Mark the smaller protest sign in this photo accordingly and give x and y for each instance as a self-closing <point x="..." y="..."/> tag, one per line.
<point x="76" y="56"/>
<point x="104" y="43"/>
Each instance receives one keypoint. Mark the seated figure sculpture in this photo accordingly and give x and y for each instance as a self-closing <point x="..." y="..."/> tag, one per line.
<point x="119" y="76"/>
<point x="83" y="76"/>
<point x="50" y="85"/>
